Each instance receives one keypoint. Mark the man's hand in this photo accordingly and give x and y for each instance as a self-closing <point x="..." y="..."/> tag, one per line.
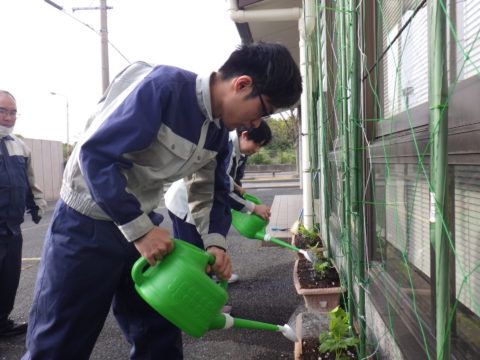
<point x="223" y="263"/>
<point x="35" y="217"/>
<point x="154" y="245"/>
<point x="239" y="189"/>
<point x="263" y="211"/>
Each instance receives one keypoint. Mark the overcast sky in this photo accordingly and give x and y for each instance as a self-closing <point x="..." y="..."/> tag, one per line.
<point x="44" y="50"/>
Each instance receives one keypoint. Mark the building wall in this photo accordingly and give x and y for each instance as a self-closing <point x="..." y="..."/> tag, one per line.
<point x="395" y="183"/>
<point x="47" y="160"/>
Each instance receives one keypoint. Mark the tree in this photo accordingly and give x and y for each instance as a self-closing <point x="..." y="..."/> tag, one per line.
<point x="285" y="129"/>
<point x="282" y="149"/>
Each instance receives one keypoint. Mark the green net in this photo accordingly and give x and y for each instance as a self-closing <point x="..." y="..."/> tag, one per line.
<point x="393" y="118"/>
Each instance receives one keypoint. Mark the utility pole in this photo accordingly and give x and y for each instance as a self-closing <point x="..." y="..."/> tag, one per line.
<point x="104" y="44"/>
<point x="103" y="35"/>
<point x="103" y="40"/>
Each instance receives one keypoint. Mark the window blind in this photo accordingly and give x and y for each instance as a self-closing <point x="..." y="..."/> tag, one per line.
<point x="405" y="65"/>
<point x="467" y="236"/>
<point x="469" y="18"/>
<point x="407" y="214"/>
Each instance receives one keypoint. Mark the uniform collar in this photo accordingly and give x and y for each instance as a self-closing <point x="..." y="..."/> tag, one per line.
<point x="203" y="98"/>
<point x="236" y="144"/>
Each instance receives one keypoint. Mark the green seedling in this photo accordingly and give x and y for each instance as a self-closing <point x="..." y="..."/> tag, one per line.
<point x="313" y="247"/>
<point x="321" y="269"/>
<point x="312" y="238"/>
<point x="337" y="339"/>
<point x="322" y="266"/>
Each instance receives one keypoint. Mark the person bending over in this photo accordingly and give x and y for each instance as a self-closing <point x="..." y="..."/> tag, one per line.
<point x="154" y="124"/>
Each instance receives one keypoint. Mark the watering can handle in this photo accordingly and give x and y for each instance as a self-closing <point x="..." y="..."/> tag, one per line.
<point x="211" y="259"/>
<point x="137" y="271"/>
<point x="224" y="283"/>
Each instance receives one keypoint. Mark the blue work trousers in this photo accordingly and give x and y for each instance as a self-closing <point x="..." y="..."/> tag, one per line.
<point x="85" y="268"/>
<point x="10" y="264"/>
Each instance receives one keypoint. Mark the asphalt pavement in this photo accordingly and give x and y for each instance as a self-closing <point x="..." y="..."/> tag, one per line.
<point x="264" y="293"/>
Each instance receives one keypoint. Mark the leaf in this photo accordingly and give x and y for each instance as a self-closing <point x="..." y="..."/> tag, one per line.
<point x="328" y="345"/>
<point x="351" y="341"/>
<point x="335" y="310"/>
<point x="339" y="322"/>
<point x="339" y="327"/>
<point x="324" y="336"/>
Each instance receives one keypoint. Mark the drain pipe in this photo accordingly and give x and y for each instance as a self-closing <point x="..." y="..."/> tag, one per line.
<point x="305" y="24"/>
<point x="305" y="140"/>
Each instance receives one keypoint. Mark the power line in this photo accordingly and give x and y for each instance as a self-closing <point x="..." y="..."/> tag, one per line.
<point x="59" y="7"/>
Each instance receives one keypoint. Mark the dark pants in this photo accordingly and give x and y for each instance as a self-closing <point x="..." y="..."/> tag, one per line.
<point x="185" y="231"/>
<point x="10" y="264"/>
<point x="85" y="268"/>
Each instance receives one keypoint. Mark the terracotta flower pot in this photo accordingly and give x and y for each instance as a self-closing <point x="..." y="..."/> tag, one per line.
<point x="319" y="299"/>
<point x="308" y="326"/>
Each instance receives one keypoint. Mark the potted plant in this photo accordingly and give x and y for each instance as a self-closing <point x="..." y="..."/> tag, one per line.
<point x="318" y="283"/>
<point x="337" y="340"/>
<point x="307" y="240"/>
<point x="334" y="341"/>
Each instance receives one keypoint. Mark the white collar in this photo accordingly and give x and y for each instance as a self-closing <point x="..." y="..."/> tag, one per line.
<point x="203" y="97"/>
<point x="5" y="131"/>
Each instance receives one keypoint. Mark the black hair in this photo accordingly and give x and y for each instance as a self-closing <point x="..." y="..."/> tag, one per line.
<point x="272" y="69"/>
<point x="260" y="135"/>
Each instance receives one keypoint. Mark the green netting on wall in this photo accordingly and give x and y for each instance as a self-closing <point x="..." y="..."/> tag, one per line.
<point x="394" y="93"/>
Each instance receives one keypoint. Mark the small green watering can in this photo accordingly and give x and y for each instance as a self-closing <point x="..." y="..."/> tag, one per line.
<point x="253" y="226"/>
<point x="178" y="288"/>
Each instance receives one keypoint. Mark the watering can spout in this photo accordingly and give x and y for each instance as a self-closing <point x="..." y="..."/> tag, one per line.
<point x="288" y="332"/>
<point x="225" y="321"/>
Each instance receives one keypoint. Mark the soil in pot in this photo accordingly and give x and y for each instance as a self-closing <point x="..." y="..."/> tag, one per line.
<point x="308" y="278"/>
<point x="310" y="351"/>
<point x="301" y="242"/>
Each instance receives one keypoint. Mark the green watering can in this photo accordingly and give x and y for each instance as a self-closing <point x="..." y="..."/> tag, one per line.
<point x="253" y="226"/>
<point x="178" y="288"/>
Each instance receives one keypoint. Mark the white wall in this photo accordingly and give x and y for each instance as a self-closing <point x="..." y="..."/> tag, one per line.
<point x="47" y="160"/>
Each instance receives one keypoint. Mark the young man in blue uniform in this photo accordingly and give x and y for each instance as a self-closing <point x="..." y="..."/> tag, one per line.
<point x="244" y="143"/>
<point x="153" y="125"/>
<point x="18" y="193"/>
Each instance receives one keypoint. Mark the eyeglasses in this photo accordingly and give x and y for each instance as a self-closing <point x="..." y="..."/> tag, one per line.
<point x="5" y="112"/>
<point x="265" y="112"/>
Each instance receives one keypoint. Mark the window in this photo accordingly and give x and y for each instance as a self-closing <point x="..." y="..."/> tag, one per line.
<point x="405" y="64"/>
<point x="404" y="250"/>
<point x="407" y="206"/>
<point x="403" y="226"/>
<point x="467" y="247"/>
<point x="468" y="45"/>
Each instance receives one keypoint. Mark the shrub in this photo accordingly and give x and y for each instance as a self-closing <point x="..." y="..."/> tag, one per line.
<point x="259" y="158"/>
<point x="287" y="157"/>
